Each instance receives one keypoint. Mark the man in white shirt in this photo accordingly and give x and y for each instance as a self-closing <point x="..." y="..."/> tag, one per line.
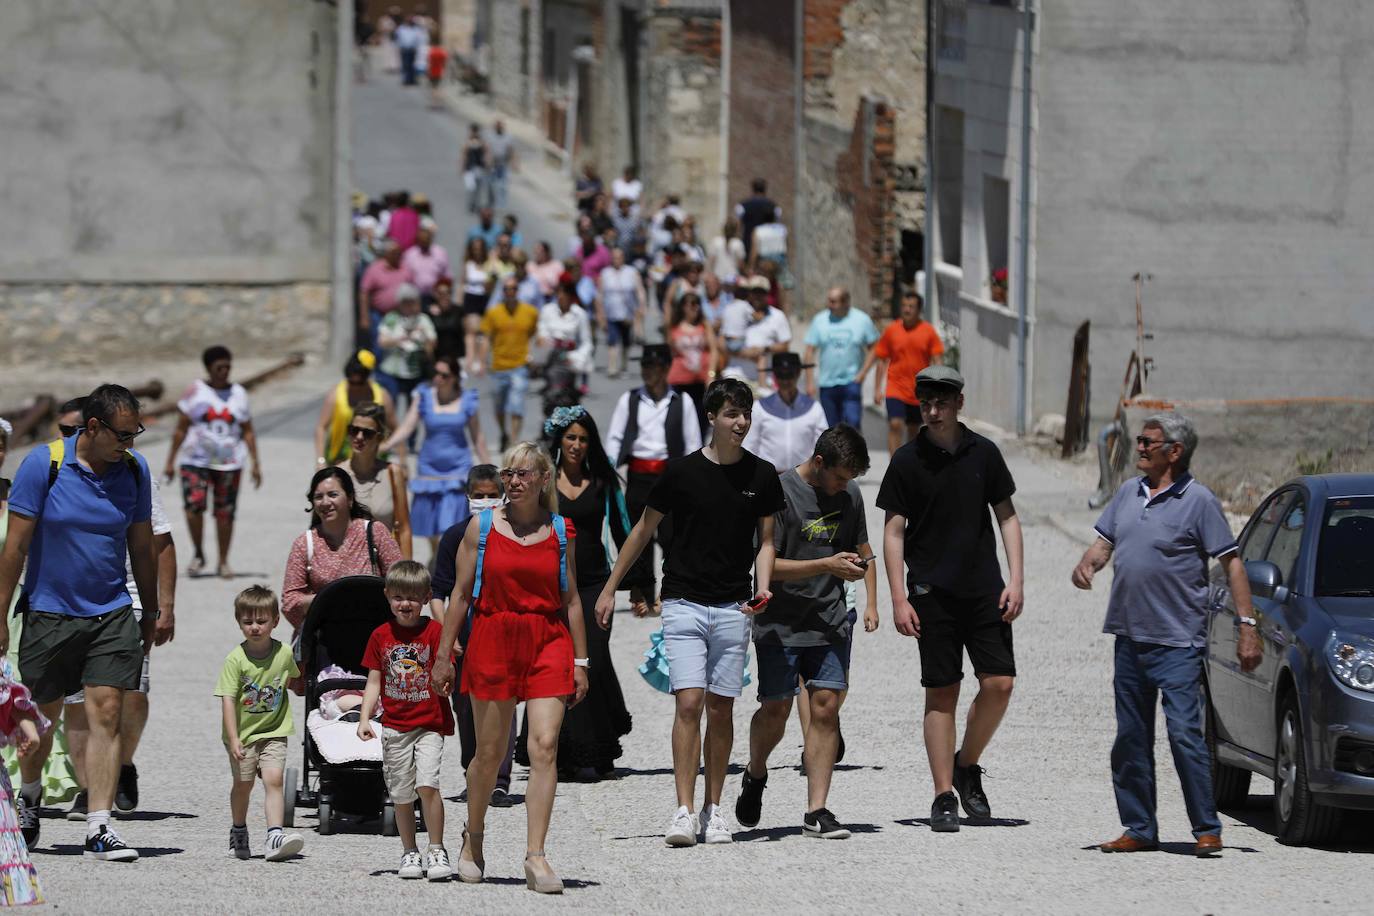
<point x="767" y="331"/>
<point x="564" y="325"/>
<point x="786" y="424"/>
<point x="650" y="426"/>
<point x="627" y="188"/>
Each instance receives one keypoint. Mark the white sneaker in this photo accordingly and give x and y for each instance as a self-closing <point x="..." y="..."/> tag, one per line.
<point x="411" y="865"/>
<point x="282" y="846"/>
<point x="682" y="830"/>
<point x="715" y="829"/>
<point x="437" y="866"/>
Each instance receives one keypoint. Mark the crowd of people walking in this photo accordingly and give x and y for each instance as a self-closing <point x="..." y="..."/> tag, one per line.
<point x="733" y="455"/>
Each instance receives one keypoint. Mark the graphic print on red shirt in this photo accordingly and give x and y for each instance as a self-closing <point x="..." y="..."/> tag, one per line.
<point x="405" y="657"/>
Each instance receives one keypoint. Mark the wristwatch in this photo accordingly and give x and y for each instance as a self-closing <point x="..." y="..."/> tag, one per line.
<point x="582" y="663"/>
<point x="1248" y="621"/>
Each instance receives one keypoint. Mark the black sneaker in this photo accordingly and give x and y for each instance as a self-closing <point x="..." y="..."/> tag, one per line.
<point x="27" y="812"/>
<point x="500" y="798"/>
<point x="749" y="805"/>
<point x="126" y="793"/>
<point x="822" y="825"/>
<point x="944" y="813"/>
<point x="106" y="845"/>
<point x="968" y="782"/>
<point x="78" y="809"/>
<point x="839" y="748"/>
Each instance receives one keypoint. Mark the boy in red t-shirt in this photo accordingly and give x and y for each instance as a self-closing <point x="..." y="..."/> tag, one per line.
<point x="415" y="719"/>
<point x="907" y="346"/>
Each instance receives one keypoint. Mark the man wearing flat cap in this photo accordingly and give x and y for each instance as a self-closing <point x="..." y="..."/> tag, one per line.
<point x="651" y="425"/>
<point x="787" y="423"/>
<point x="936" y="493"/>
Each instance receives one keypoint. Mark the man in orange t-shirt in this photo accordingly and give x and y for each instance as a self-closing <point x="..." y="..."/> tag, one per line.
<point x="907" y="346"/>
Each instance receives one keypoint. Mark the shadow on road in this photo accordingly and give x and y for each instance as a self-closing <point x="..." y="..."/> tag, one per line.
<point x="1356" y="834"/>
<point x="781" y="833"/>
<point x="144" y="852"/>
<point x="154" y="815"/>
<point x="970" y="822"/>
<point x="571" y="884"/>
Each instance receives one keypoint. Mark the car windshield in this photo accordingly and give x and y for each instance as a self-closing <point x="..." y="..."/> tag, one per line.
<point x="1346" y="551"/>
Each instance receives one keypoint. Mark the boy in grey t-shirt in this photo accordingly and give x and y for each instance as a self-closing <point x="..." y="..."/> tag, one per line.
<point x="821" y="539"/>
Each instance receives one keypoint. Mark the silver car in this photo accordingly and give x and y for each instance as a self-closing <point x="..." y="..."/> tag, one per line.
<point x="1305" y="716"/>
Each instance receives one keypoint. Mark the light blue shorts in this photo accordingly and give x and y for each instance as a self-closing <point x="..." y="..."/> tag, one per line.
<point x="707" y="646"/>
<point x="508" y="389"/>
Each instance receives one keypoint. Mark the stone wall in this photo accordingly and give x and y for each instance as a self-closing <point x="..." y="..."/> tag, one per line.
<point x="515" y="93"/>
<point x="681" y="152"/>
<point x="86" y="325"/>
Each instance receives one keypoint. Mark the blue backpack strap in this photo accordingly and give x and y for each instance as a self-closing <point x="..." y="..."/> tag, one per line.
<point x="483" y="530"/>
<point x="560" y="528"/>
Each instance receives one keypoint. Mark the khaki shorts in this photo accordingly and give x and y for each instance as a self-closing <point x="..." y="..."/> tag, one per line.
<point x="266" y="754"/>
<point x="411" y="759"/>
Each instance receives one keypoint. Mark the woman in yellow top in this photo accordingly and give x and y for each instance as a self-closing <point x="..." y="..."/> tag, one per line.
<point x="331" y="432"/>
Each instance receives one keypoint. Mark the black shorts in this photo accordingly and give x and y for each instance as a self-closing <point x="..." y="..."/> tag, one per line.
<point x="951" y="624"/>
<point x="59" y="655"/>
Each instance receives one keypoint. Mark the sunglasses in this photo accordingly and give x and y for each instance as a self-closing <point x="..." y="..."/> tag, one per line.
<point x="368" y="434"/>
<point x="67" y="431"/>
<point x="123" y="437"/>
<point x="1148" y="443"/>
<point x="520" y="474"/>
<point x="439" y="373"/>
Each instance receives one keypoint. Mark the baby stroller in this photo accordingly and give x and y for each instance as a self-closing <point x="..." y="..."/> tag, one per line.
<point x="341" y="774"/>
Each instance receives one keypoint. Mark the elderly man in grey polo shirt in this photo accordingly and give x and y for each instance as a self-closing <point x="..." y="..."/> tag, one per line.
<point x="1159" y="531"/>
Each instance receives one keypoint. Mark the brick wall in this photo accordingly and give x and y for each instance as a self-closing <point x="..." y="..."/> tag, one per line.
<point x="869" y="191"/>
<point x="763" y="100"/>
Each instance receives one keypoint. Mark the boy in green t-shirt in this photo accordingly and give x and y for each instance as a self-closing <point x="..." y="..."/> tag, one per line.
<point x="257" y="719"/>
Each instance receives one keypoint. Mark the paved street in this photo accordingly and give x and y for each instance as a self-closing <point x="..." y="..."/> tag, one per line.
<point x="1048" y="780"/>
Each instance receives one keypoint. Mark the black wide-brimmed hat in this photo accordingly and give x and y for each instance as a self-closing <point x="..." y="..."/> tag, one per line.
<point x="656" y="355"/>
<point x="789" y="364"/>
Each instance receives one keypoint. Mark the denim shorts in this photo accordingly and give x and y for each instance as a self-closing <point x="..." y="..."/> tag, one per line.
<point x="897" y="409"/>
<point x="707" y="646"/>
<point x="780" y="667"/>
<point x="508" y="388"/>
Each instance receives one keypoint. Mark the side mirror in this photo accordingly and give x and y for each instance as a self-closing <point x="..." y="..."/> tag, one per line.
<point x="1266" y="581"/>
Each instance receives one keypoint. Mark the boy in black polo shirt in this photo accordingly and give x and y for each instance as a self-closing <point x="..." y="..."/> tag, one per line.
<point x="936" y="494"/>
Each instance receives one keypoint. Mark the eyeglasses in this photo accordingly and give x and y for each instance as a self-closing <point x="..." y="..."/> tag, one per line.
<point x="1147" y="443"/>
<point x="520" y="474"/>
<point x="67" y="431"/>
<point x="363" y="431"/>
<point x="123" y="437"/>
<point x="439" y="373"/>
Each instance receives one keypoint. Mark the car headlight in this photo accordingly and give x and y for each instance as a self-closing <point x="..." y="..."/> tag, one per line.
<point x="1351" y="659"/>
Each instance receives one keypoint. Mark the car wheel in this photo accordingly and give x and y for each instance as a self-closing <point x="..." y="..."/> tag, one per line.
<point x="1300" y="819"/>
<point x="1230" y="785"/>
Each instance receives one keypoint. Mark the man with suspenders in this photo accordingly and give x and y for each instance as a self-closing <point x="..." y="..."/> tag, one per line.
<point x="650" y="426"/>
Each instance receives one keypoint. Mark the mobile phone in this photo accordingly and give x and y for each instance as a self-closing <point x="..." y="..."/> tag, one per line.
<point x="862" y="562"/>
<point x="756" y="602"/>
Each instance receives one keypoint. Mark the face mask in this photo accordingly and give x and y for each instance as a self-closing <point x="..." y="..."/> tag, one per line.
<point x="479" y="503"/>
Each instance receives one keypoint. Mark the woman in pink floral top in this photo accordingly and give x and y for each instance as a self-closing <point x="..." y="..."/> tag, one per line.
<point x="335" y="545"/>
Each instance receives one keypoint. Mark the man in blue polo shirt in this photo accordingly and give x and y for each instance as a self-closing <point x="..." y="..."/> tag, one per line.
<point x="76" y="527"/>
<point x="1159" y="531"/>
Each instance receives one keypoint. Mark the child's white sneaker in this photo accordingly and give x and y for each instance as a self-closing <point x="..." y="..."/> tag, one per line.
<point x="437" y="867"/>
<point x="282" y="846"/>
<point x="238" y="842"/>
<point x="411" y="865"/>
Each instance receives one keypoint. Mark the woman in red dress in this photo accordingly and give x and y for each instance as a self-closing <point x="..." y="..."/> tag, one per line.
<point x="528" y="643"/>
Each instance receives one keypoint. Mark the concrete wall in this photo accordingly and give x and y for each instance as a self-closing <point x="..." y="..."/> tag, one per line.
<point x="154" y="146"/>
<point x="978" y="73"/>
<point x="1223" y="148"/>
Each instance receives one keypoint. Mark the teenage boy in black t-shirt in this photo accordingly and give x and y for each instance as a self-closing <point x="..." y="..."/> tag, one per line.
<point x="722" y="499"/>
<point x="936" y="494"/>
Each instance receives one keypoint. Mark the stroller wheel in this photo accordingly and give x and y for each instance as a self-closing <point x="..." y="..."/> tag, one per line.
<point x="326" y="816"/>
<point x="388" y="820"/>
<point x="289" y="784"/>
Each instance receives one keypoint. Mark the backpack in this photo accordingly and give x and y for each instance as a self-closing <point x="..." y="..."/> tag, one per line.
<point x="560" y="530"/>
